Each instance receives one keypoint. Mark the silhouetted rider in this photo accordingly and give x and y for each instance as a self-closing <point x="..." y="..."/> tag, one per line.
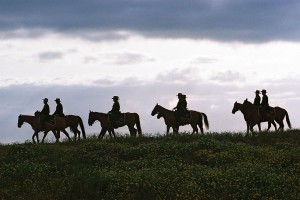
<point x="257" y="98"/>
<point x="115" y="113"/>
<point x="59" y="111"/>
<point x="44" y="114"/>
<point x="180" y="108"/>
<point x="264" y="106"/>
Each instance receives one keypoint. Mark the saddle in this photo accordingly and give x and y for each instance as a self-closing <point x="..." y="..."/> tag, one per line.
<point x="50" y="119"/>
<point x="120" y="119"/>
<point x="186" y="114"/>
<point x="270" y="111"/>
<point x="116" y="119"/>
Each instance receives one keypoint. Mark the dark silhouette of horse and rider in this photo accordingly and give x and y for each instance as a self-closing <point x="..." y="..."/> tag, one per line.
<point x="180" y="116"/>
<point x="42" y="121"/>
<point x="260" y="111"/>
<point x="115" y="119"/>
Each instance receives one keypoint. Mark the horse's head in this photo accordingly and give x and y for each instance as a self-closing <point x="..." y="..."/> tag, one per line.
<point x="20" y="121"/>
<point x="236" y="107"/>
<point x="155" y="110"/>
<point x="92" y="118"/>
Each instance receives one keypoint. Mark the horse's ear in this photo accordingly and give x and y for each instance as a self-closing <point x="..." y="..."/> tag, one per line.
<point x="246" y="99"/>
<point x="157" y="104"/>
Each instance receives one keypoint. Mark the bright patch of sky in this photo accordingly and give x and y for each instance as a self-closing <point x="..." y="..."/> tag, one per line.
<point x="62" y="60"/>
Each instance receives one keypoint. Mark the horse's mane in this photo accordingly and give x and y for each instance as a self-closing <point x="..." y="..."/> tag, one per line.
<point x="246" y="102"/>
<point x="99" y="113"/>
<point x="163" y="107"/>
<point x="249" y="104"/>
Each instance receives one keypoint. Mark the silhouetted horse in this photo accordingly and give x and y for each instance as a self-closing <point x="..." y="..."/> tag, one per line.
<point x="75" y="121"/>
<point x="129" y="120"/>
<point x="196" y="118"/>
<point x="279" y="115"/>
<point x="34" y="121"/>
<point x="71" y="121"/>
<point x="252" y="116"/>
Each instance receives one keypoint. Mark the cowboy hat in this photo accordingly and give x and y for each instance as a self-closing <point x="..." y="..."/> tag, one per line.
<point x="264" y="91"/>
<point x="57" y="100"/>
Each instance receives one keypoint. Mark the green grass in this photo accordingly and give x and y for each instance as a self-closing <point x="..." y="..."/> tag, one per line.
<point x="183" y="166"/>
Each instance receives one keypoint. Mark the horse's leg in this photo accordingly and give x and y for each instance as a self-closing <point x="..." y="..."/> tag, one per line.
<point x="168" y="129"/>
<point x="102" y="132"/>
<point x="34" y="134"/>
<point x="259" y="127"/>
<point x="66" y="133"/>
<point x="269" y="125"/>
<point x="37" y="137"/>
<point x="281" y="125"/>
<point x="201" y="127"/>
<point x="112" y="133"/>
<point x="251" y="129"/>
<point x="78" y="132"/>
<point x="195" y="129"/>
<point x="56" y="135"/>
<point x="248" y="127"/>
<point x="75" y="136"/>
<point x="274" y="124"/>
<point x="45" y="134"/>
<point x="175" y="129"/>
<point x="132" y="131"/>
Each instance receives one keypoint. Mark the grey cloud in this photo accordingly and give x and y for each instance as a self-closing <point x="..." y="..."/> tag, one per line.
<point x="126" y="58"/>
<point x="226" y="20"/>
<point x="50" y="55"/>
<point x="89" y="59"/>
<point x="178" y="75"/>
<point x="228" y="76"/>
<point x="96" y="35"/>
<point x="103" y="82"/>
<point x="28" y="32"/>
<point x="204" y="60"/>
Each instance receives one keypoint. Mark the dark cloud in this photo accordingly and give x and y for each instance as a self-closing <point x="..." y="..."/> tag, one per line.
<point x="214" y="99"/>
<point x="224" y="20"/>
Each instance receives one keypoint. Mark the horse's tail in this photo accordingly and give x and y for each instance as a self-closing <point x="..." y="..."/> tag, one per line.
<point x="82" y="127"/>
<point x="205" y="120"/>
<point x="138" y="124"/>
<point x="287" y="118"/>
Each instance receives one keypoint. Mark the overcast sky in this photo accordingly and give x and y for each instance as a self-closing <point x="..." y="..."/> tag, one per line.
<point x="85" y="52"/>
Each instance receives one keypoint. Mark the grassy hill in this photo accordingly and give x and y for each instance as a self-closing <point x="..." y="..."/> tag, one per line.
<point x="211" y="166"/>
